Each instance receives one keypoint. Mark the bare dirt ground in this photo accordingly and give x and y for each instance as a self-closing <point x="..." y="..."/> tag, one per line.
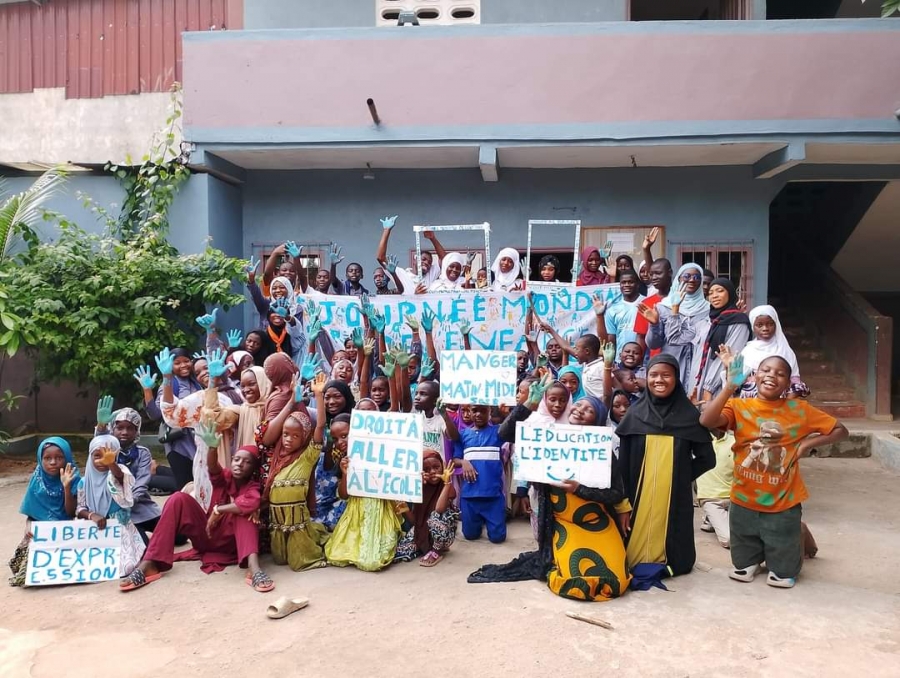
<point x="843" y="618"/>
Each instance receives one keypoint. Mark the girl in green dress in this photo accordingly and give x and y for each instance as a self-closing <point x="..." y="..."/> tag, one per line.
<point x="297" y="540"/>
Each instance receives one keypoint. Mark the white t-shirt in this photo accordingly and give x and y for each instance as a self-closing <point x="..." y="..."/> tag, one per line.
<point x="433" y="433"/>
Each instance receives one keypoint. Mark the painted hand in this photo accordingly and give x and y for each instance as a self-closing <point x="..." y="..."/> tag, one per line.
<point x="334" y="254"/>
<point x="440" y="406"/>
<point x="736" y="374"/>
<point x="678" y="296"/>
<point x="606" y="252"/>
<point x="105" y="410"/>
<point x="447" y="474"/>
<point x="309" y="367"/>
<point x="312" y="311"/>
<point x="427" y="320"/>
<point x="464" y="327"/>
<point x="297" y="387"/>
<point x="428" y="366"/>
<point x="234" y="338"/>
<point x="206" y="431"/>
<point x="543" y="360"/>
<point x="599" y="304"/>
<point x="281" y="307"/>
<point x="144" y="377"/>
<point x="387" y="223"/>
<point x="315" y="328"/>
<point x="389" y="366"/>
<point x="293" y="249"/>
<point x="365" y="305"/>
<point x="207" y="321"/>
<point x="368" y="346"/>
<point x="537" y="390"/>
<point x="164" y="362"/>
<point x="609" y="353"/>
<point x="378" y="321"/>
<point x="215" y="363"/>
<point x="251" y="267"/>
<point x="403" y="358"/>
<point x="413" y="323"/>
<point x="392" y="263"/>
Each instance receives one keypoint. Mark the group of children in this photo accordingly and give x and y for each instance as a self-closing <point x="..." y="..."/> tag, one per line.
<point x="256" y="432"/>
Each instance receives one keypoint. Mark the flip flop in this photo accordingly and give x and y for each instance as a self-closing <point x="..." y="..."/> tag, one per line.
<point x="137" y="579"/>
<point x="430" y="559"/>
<point x="282" y="607"/>
<point x="260" y="581"/>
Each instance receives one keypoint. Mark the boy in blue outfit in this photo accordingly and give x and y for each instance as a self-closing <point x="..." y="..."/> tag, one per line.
<point x="482" y="501"/>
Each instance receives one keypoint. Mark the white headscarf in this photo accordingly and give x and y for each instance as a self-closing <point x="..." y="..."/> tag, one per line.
<point x="287" y="285"/>
<point x="692" y="304"/>
<point x="758" y="350"/>
<point x="505" y="281"/>
<point x="443" y="283"/>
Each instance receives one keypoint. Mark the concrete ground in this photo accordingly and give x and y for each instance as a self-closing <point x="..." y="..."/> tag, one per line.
<point x="843" y="618"/>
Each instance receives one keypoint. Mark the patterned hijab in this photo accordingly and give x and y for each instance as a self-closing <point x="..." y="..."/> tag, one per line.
<point x="44" y="497"/>
<point x="281" y="458"/>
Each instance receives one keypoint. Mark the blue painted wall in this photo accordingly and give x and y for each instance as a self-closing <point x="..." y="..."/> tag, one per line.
<point x="695" y="204"/>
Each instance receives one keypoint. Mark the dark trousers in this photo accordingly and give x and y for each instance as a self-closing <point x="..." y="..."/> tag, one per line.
<point x="775" y="538"/>
<point x="182" y="469"/>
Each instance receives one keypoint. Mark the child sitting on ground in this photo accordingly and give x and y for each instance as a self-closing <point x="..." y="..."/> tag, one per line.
<point x="771" y="435"/>
<point x="483" y="498"/>
<point x="434" y="521"/>
<point x="714" y="488"/>
<point x="50" y="495"/>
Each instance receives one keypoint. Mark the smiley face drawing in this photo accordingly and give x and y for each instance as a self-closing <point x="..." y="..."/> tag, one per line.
<point x="560" y="480"/>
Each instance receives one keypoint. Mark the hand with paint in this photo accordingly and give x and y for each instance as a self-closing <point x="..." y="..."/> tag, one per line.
<point x="234" y="338"/>
<point x="403" y="358"/>
<point x="526" y="269"/>
<point x="164" y="362"/>
<point x="389" y="366"/>
<point x="309" y="367"/>
<point x="315" y="328"/>
<point x="378" y="321"/>
<point x="609" y="353"/>
<point x="368" y="346"/>
<point x="736" y="374"/>
<point x="357" y="337"/>
<point x="412" y="323"/>
<point x="677" y="296"/>
<point x="104" y="410"/>
<point x="208" y="321"/>
<point x="365" y="305"/>
<point x="250" y="268"/>
<point x="427" y="321"/>
<point x="281" y="307"/>
<point x="464" y="327"/>
<point x="206" y="431"/>
<point x="599" y="304"/>
<point x="428" y="366"/>
<point x="334" y="254"/>
<point x="312" y="311"/>
<point x="144" y="377"/>
<point x="606" y="252"/>
<point x="537" y="389"/>
<point x="215" y="363"/>
<point x="387" y="223"/>
<point x="543" y="360"/>
<point x="293" y="249"/>
<point x="392" y="263"/>
<point x="297" y="388"/>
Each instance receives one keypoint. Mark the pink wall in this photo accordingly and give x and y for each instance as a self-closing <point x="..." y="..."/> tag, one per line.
<point x="467" y="79"/>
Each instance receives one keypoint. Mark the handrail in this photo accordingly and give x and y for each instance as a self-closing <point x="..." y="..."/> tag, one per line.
<point x="878" y="328"/>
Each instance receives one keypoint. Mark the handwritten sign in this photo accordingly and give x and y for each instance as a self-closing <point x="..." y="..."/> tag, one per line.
<point x="478" y="377"/>
<point x="497" y="319"/>
<point x="73" y="552"/>
<point x="552" y="453"/>
<point x="385" y="452"/>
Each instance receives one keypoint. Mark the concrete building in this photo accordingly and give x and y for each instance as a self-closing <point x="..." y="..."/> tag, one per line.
<point x="763" y="137"/>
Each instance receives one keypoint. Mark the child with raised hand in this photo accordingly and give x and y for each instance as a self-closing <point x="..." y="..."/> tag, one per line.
<point x="50" y="495"/>
<point x="125" y="426"/>
<point x="434" y="520"/>
<point x="772" y="434"/>
<point x="105" y="493"/>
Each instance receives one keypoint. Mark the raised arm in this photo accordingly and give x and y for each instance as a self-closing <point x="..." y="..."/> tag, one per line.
<point x="563" y="344"/>
<point x="272" y="264"/>
<point x="387" y="225"/>
<point x="273" y="431"/>
<point x="438" y="248"/>
<point x="647" y="246"/>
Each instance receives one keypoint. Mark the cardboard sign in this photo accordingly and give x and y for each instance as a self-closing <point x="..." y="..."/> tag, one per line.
<point x="385" y="452"/>
<point x="553" y="453"/>
<point x="478" y="377"/>
<point x="73" y="552"/>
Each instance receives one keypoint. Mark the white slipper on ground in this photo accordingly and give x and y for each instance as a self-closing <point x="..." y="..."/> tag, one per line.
<point x="284" y="606"/>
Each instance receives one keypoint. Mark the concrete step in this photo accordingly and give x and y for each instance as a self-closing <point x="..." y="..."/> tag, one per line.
<point x="810" y="354"/>
<point x="810" y="367"/>
<point x="833" y="394"/>
<point x="818" y="381"/>
<point x="848" y="409"/>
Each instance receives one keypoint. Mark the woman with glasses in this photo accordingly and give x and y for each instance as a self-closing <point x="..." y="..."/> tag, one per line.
<point x="678" y="324"/>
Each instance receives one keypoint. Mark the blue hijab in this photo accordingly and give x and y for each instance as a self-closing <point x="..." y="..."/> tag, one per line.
<point x="577" y="371"/>
<point x="598" y="407"/>
<point x="44" y="497"/>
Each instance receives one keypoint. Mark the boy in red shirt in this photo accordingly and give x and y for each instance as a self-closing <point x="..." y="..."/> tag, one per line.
<point x="771" y="435"/>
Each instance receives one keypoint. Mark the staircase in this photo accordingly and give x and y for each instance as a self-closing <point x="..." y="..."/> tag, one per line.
<point x="831" y="391"/>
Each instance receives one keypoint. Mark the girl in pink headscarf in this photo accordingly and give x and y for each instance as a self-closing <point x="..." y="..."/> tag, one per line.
<point x="593" y="268"/>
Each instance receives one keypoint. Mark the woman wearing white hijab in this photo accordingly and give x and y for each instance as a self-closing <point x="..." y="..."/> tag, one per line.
<point x="506" y="270"/>
<point x="451" y="278"/>
<point x="678" y="324"/>
<point x="769" y="340"/>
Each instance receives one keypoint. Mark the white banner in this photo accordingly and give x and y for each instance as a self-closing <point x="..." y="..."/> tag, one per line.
<point x="478" y="377"/>
<point x="556" y="452"/>
<point x="497" y="319"/>
<point x="385" y="452"/>
<point x="73" y="552"/>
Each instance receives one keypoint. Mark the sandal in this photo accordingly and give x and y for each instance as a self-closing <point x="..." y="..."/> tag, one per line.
<point x="282" y="607"/>
<point x="430" y="559"/>
<point x="260" y="581"/>
<point x="137" y="579"/>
